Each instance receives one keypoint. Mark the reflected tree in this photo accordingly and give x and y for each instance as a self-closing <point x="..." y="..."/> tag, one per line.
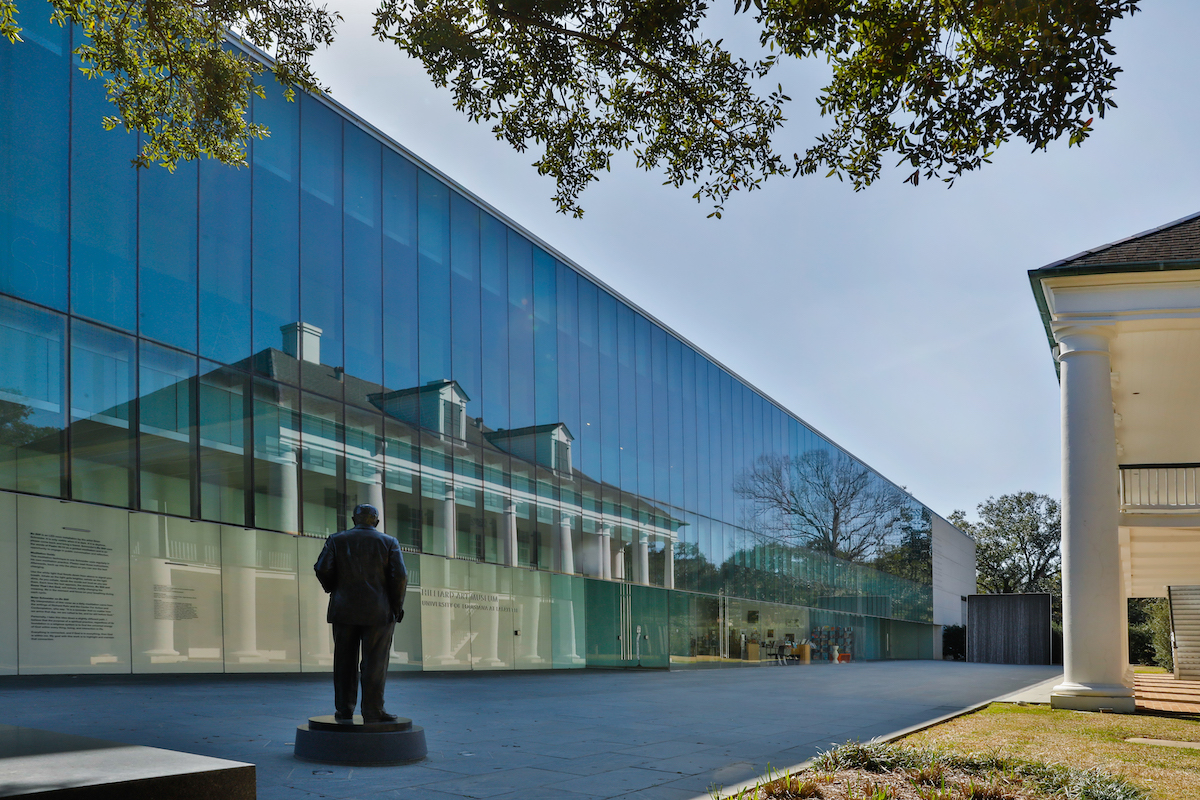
<point x="826" y="502"/>
<point x="910" y="557"/>
<point x="15" y="430"/>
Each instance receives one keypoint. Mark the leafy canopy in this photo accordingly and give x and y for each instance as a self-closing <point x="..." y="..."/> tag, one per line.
<point x="937" y="85"/>
<point x="1017" y="543"/>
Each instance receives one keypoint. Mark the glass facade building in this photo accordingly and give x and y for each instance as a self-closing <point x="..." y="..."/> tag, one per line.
<point x="202" y="373"/>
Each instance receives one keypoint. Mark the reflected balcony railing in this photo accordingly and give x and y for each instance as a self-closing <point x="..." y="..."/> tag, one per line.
<point x="1160" y="487"/>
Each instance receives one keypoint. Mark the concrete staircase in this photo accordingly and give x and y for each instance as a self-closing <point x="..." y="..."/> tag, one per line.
<point x="1185" y="630"/>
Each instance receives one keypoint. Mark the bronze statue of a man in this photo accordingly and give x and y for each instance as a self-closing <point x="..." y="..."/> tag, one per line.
<point x="363" y="572"/>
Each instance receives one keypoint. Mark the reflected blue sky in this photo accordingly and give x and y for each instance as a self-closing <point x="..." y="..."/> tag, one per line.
<point x="899" y="321"/>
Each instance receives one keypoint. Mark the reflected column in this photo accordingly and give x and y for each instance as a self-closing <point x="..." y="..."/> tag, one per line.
<point x="604" y="557"/>
<point x="450" y="520"/>
<point x="162" y="641"/>
<point x="669" y="563"/>
<point x="242" y="575"/>
<point x="375" y="494"/>
<point x="643" y="558"/>
<point x="287" y="490"/>
<point x="566" y="548"/>
<point x="510" y="532"/>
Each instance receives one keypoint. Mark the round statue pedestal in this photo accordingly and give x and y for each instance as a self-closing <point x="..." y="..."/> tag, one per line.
<point x="360" y="744"/>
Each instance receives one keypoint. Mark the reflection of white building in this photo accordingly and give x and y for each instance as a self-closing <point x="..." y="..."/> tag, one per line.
<point x="509" y="497"/>
<point x="1124" y="323"/>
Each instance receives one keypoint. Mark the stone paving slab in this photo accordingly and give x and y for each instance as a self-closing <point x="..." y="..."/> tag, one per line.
<point x="568" y="735"/>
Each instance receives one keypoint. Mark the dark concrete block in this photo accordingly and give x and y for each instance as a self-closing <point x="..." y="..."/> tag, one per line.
<point x="42" y="764"/>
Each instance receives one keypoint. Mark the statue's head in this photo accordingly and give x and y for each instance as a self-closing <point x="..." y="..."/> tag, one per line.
<point x="366" y="514"/>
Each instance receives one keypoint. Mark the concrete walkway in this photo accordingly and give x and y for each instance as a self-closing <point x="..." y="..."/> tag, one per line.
<point x="526" y="736"/>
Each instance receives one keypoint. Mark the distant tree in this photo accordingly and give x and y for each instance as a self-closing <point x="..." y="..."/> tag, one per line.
<point x="826" y="502"/>
<point x="1018" y="543"/>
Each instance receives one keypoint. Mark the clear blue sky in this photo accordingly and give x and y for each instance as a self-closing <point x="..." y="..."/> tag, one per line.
<point x="897" y="321"/>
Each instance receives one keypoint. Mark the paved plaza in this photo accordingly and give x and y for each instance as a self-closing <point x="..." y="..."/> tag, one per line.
<point x="567" y="735"/>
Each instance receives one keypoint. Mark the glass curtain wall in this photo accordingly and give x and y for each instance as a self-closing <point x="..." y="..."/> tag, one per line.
<point x="336" y="324"/>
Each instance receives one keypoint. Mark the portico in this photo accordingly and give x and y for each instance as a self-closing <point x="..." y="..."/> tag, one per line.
<point x="1124" y="324"/>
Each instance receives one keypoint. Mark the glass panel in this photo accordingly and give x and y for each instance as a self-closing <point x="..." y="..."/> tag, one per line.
<point x="433" y="223"/>
<point x="166" y="422"/>
<point x="276" y="196"/>
<point x="445" y="623"/>
<point x="363" y="294"/>
<point x="316" y="635"/>
<point x="321" y="288"/>
<point x="627" y="397"/>
<point x="676" y="392"/>
<point x="520" y="332"/>
<point x="568" y="358"/>
<point x="610" y="404"/>
<point x="587" y="437"/>
<point x="323" y="465"/>
<point x="407" y="653"/>
<point x="276" y="453"/>
<point x="493" y="617"/>
<point x="9" y="634"/>
<point x="568" y="616"/>
<point x="103" y="209"/>
<point x="545" y="338"/>
<point x="533" y="601"/>
<point x="261" y="603"/>
<point x="73" y="565"/>
<point x="34" y="136"/>
<point x="402" y="480"/>
<point x="660" y="416"/>
<point x="175" y="594"/>
<point x="399" y="272"/>
<point x="464" y="292"/>
<point x="223" y="420"/>
<point x="224" y="262"/>
<point x="644" y="389"/>
<point x="103" y="386"/>
<point x="364" y="462"/>
<point x="493" y="278"/>
<point x="167" y="255"/>
<point x="437" y="496"/>
<point x="32" y="407"/>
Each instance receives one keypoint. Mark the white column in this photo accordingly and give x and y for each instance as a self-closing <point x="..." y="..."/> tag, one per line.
<point x="510" y="533"/>
<point x="241" y="610"/>
<point x="669" y="563"/>
<point x="450" y="520"/>
<point x="375" y="495"/>
<point x="618" y="568"/>
<point x="288" y="491"/>
<point x="1092" y="658"/>
<point x="566" y="548"/>
<point x="605" y="554"/>
<point x="642" y="556"/>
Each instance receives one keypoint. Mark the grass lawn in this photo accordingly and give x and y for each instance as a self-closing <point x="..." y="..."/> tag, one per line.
<point x="1078" y="739"/>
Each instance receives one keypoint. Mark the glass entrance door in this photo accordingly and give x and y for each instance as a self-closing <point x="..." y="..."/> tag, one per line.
<point x="627" y="626"/>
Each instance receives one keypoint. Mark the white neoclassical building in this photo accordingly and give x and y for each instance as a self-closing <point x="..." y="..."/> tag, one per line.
<point x="1124" y="324"/>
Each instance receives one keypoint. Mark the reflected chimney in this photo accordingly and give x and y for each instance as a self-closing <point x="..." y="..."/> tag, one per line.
<point x="302" y="341"/>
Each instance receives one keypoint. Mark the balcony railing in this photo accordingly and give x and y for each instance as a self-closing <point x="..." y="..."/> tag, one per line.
<point x="1160" y="487"/>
